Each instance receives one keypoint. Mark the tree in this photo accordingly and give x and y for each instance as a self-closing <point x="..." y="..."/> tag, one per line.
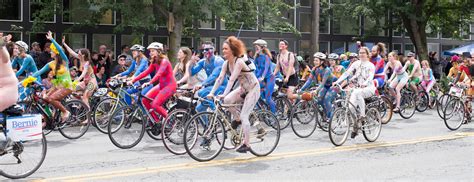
<point x="415" y="15"/>
<point x="180" y="16"/>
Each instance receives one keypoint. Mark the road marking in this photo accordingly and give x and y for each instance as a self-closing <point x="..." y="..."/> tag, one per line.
<point x="239" y="160"/>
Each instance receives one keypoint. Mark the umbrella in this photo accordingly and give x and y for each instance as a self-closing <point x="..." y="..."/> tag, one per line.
<point x="460" y="50"/>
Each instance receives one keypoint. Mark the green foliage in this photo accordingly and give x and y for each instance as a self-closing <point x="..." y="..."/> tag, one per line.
<point x="46" y="12"/>
<point x="444" y="83"/>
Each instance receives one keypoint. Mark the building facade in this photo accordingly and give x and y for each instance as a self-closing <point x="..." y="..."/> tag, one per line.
<point x="337" y="30"/>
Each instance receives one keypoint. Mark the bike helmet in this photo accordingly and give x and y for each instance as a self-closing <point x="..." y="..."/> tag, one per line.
<point x="137" y="47"/>
<point x="353" y="55"/>
<point x="22" y="45"/>
<point x="260" y="42"/>
<point x="155" y="45"/>
<point x="320" y="55"/>
<point x="333" y="56"/>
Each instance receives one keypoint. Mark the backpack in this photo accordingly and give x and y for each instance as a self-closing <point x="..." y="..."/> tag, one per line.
<point x="296" y="64"/>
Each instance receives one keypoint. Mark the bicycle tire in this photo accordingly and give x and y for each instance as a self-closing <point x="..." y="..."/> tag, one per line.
<point x="422" y="103"/>
<point x="74" y="127"/>
<point x="101" y="115"/>
<point x="455" y="106"/>
<point x="8" y="174"/>
<point x="174" y="125"/>
<point x="306" y="128"/>
<point x="387" y="108"/>
<point x="407" y="102"/>
<point x="373" y="115"/>
<point x="191" y="130"/>
<point x="441" y="103"/>
<point x="340" y="116"/>
<point x="122" y="120"/>
<point x="284" y="108"/>
<point x="263" y="121"/>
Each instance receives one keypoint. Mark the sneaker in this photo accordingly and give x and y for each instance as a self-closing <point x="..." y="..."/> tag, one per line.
<point x="243" y="149"/>
<point x="234" y="124"/>
<point x="354" y="134"/>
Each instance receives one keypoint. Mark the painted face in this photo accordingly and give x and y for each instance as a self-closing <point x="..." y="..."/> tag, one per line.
<point x="226" y="51"/>
<point x="208" y="50"/>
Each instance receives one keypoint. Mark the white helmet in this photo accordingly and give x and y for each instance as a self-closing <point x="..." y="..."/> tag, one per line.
<point x="333" y="56"/>
<point x="22" y="45"/>
<point x="320" y="55"/>
<point x="353" y="55"/>
<point x="137" y="47"/>
<point x="155" y="45"/>
<point x="260" y="42"/>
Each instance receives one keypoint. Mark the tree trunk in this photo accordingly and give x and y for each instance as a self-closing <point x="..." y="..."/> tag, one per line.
<point x="315" y="26"/>
<point x="416" y="28"/>
<point x="175" y="38"/>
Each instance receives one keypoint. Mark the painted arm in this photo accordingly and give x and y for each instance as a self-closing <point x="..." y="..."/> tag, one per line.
<point x="267" y="67"/>
<point x="371" y="76"/>
<point x="150" y="69"/>
<point x="198" y="67"/>
<point x="129" y="70"/>
<point x="326" y="74"/>
<point x="346" y="74"/>
<point x="60" y="50"/>
<point x="161" y="71"/>
<point x="219" y="79"/>
<point x="233" y="77"/>
<point x="70" y="51"/>
<point x="213" y="77"/>
<point x="141" y="67"/>
<point x="84" y="72"/>
<point x="26" y="63"/>
<point x="43" y="70"/>
<point x="307" y="83"/>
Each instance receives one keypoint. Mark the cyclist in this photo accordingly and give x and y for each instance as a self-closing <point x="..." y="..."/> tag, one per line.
<point x="159" y="64"/>
<point x="87" y="80"/>
<point x="188" y="60"/>
<point x="26" y="62"/>
<point x="285" y="64"/>
<point x="376" y="59"/>
<point x="323" y="74"/>
<point x="345" y="61"/>
<point x="263" y="72"/>
<point x="212" y="65"/>
<point x="398" y="79"/>
<point x="428" y="77"/>
<point x="138" y="65"/>
<point x="364" y="87"/>
<point x="62" y="82"/>
<point x="8" y="80"/>
<point x="337" y="70"/>
<point x="455" y="70"/>
<point x="240" y="69"/>
<point x="412" y="66"/>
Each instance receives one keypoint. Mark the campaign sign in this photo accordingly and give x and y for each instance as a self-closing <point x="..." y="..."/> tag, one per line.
<point x="24" y="128"/>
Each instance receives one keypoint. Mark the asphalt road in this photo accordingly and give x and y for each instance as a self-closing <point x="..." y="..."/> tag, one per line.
<point x="420" y="148"/>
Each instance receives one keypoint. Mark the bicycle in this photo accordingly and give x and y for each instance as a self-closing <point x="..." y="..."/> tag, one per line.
<point x="20" y="157"/>
<point x="284" y="107"/>
<point x="205" y="134"/>
<point x="456" y="111"/>
<point x="130" y="122"/>
<point x="72" y="128"/>
<point x="345" y="118"/>
<point x="304" y="113"/>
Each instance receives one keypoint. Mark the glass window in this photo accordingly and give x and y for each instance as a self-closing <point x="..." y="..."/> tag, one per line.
<point x="130" y="40"/>
<point x="40" y="38"/>
<point x="323" y="47"/>
<point x="210" y="23"/>
<point x="345" y="24"/>
<point x="36" y="6"/>
<point x="433" y="47"/>
<point x="76" y="40"/>
<point x="305" y="22"/>
<point x="397" y="48"/>
<point x="306" y="3"/>
<point x="160" y="39"/>
<point x="77" y="11"/>
<point x="373" y="28"/>
<point x="103" y="39"/>
<point x="11" y="9"/>
<point x="305" y="48"/>
<point x="338" y="47"/>
<point x="408" y="48"/>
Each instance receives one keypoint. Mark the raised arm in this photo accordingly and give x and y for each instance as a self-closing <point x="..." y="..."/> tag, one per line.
<point x="43" y="70"/>
<point x="198" y="67"/>
<point x="69" y="50"/>
<point x="49" y="36"/>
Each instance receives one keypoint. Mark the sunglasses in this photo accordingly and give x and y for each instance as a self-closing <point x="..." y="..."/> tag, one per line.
<point x="207" y="49"/>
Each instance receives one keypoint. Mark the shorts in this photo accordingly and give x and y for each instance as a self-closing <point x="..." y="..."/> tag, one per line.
<point x="400" y="79"/>
<point x="292" y="81"/>
<point x="414" y="81"/>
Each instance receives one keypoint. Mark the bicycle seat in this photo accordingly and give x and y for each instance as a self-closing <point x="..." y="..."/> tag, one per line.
<point x="14" y="110"/>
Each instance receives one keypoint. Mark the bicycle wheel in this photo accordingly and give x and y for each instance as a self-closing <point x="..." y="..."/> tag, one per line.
<point x="126" y="126"/>
<point x="173" y="130"/>
<point x="283" y="113"/>
<point x="31" y="155"/>
<point x="204" y="136"/>
<point x="102" y="112"/>
<point x="422" y="101"/>
<point x="433" y="97"/>
<point x="441" y="104"/>
<point x="264" y="133"/>
<point x="154" y="130"/>
<point x="454" y="114"/>
<point x="339" y="126"/>
<point x="407" y="106"/>
<point x="77" y="124"/>
<point x="372" y="126"/>
<point x="304" y="120"/>
<point x="385" y="110"/>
